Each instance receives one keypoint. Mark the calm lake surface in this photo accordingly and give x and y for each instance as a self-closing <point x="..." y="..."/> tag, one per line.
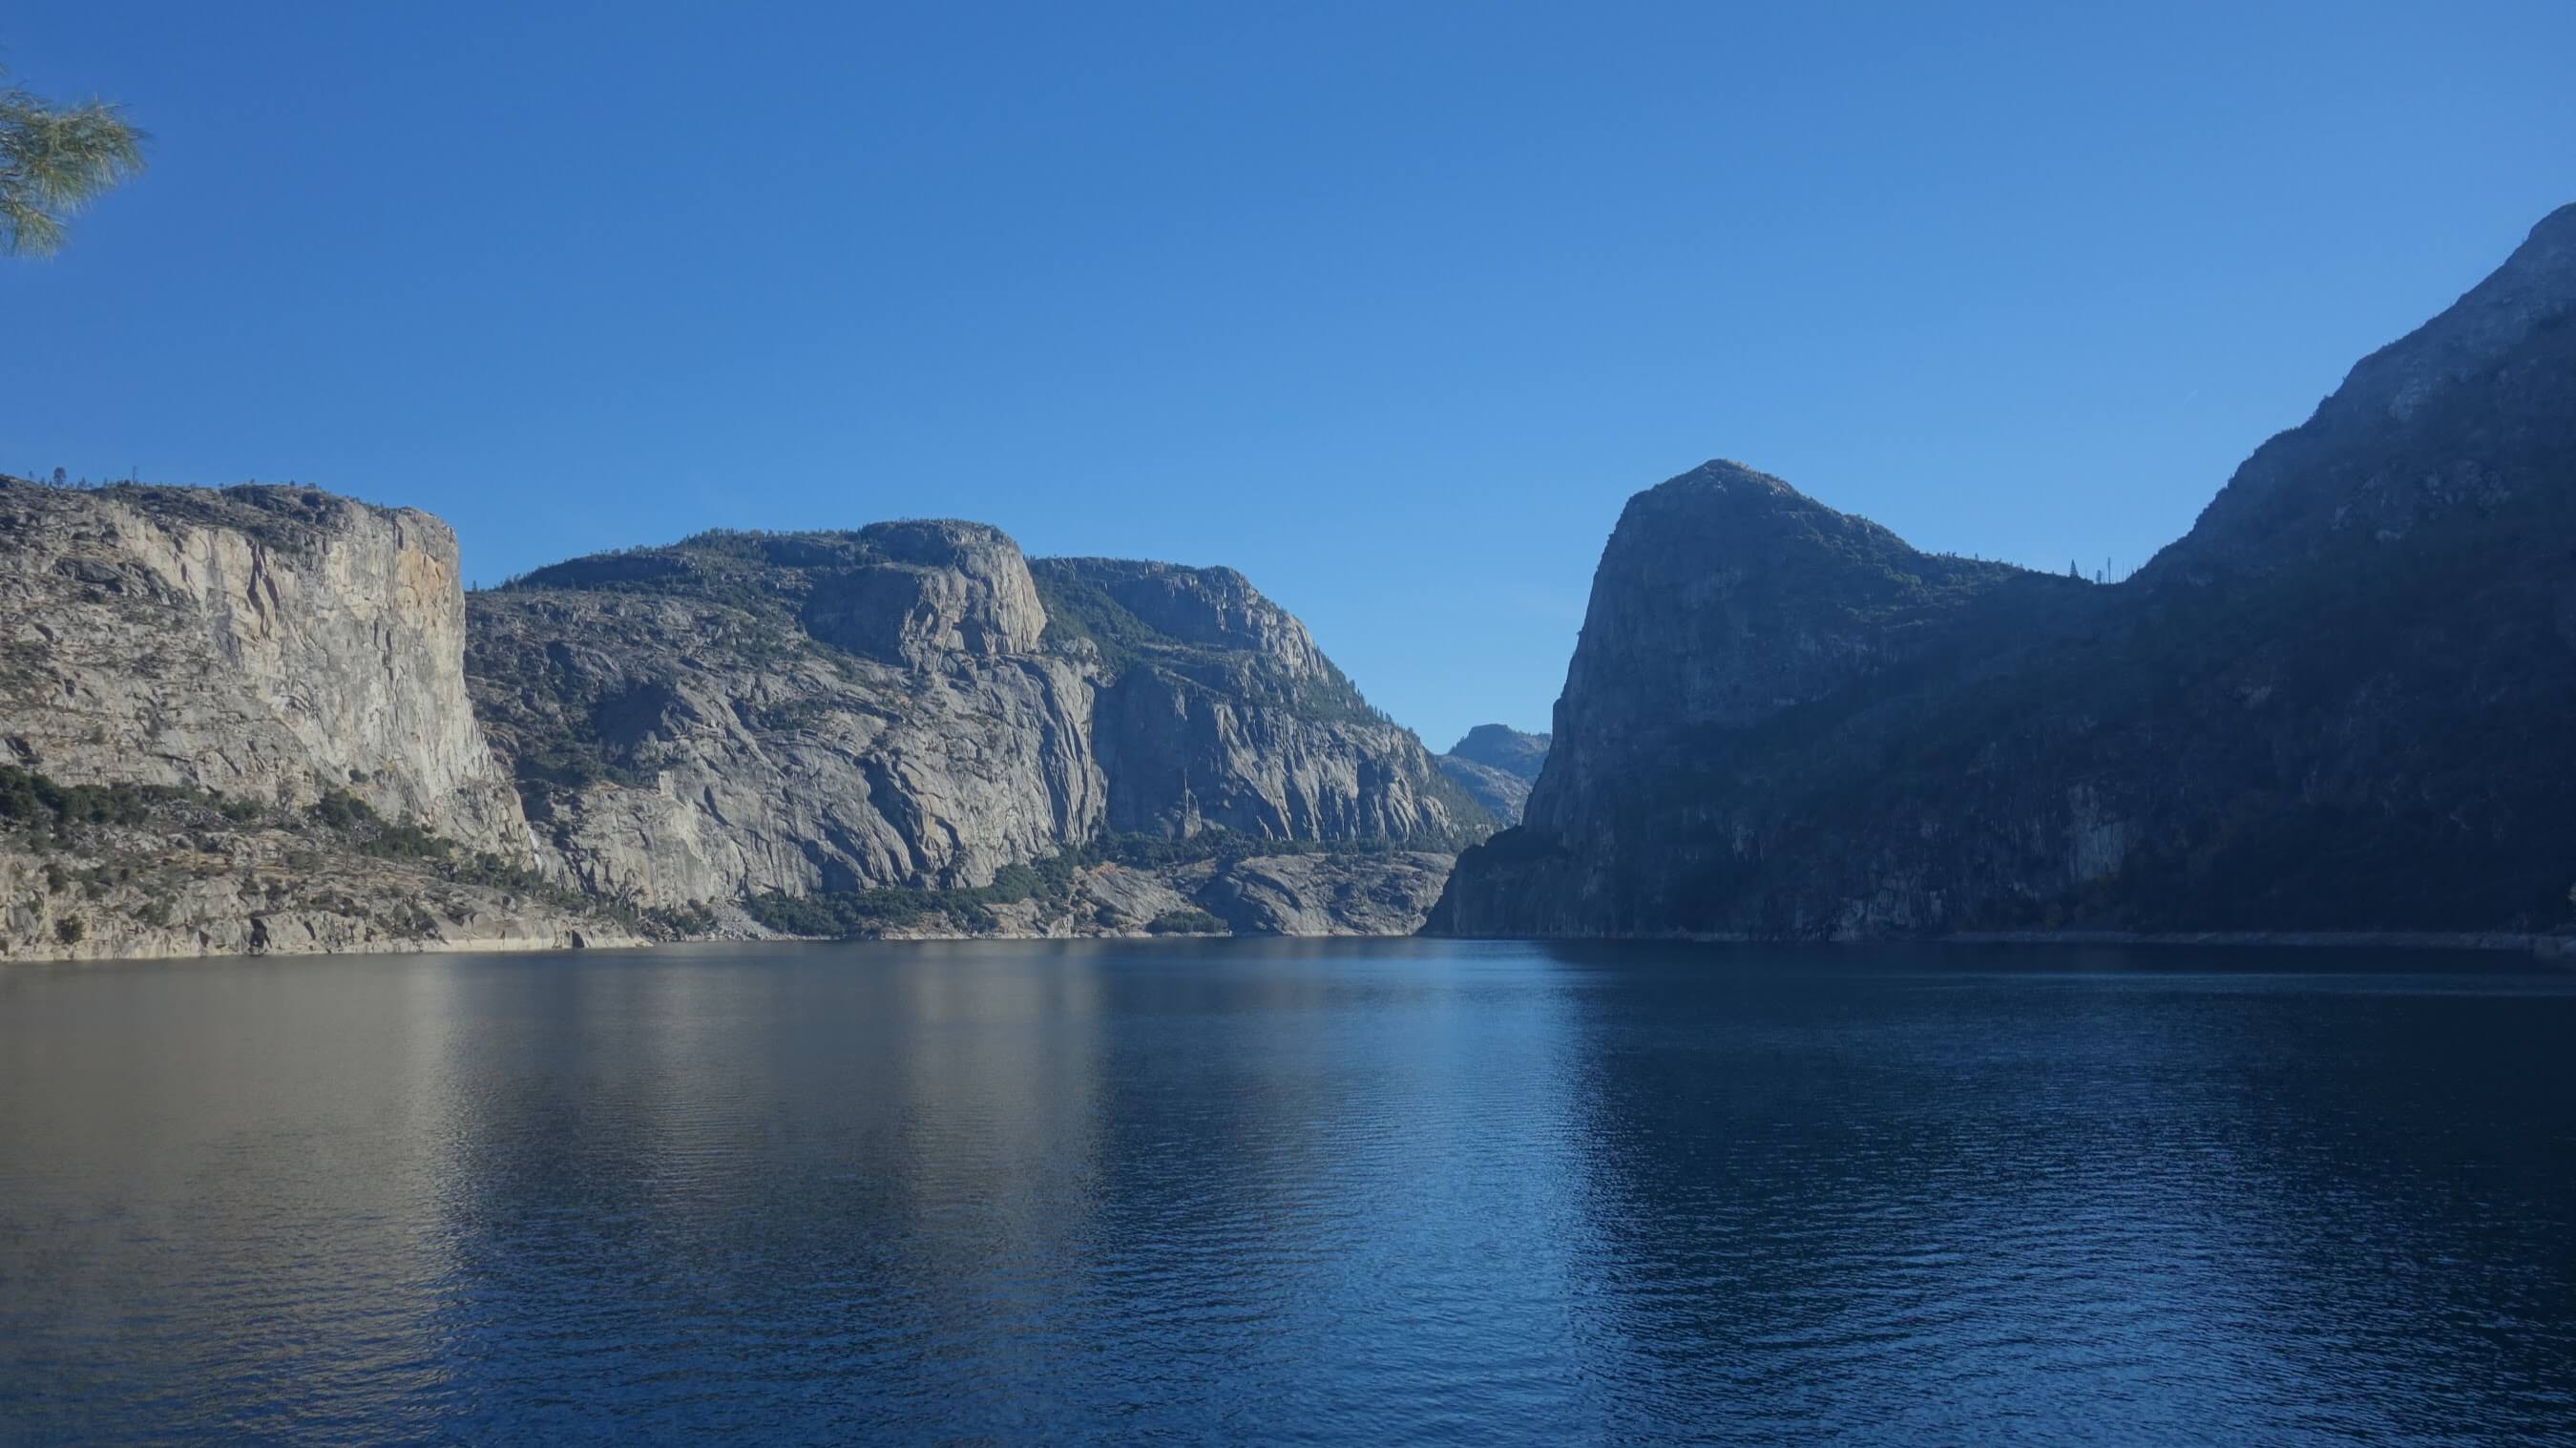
<point x="1375" y="1192"/>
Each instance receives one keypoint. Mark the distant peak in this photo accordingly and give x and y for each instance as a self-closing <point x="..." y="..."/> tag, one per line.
<point x="1486" y="736"/>
<point x="1496" y="731"/>
<point x="1499" y="746"/>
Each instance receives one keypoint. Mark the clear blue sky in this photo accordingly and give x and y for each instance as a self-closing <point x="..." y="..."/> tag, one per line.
<point x="1390" y="306"/>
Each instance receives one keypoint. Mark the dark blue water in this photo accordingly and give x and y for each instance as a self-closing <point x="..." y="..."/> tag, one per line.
<point x="1376" y="1192"/>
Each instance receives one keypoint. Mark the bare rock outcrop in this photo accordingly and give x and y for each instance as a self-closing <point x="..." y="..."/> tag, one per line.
<point x="1214" y="709"/>
<point x="914" y="706"/>
<point x="1316" y="894"/>
<point x="237" y="721"/>
<point x="932" y="589"/>
<point x="265" y="643"/>
<point x="266" y="719"/>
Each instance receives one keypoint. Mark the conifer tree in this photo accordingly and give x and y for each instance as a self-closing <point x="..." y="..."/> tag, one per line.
<point x="55" y="159"/>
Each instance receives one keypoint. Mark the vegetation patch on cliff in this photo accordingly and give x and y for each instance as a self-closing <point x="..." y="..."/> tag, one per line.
<point x="131" y="862"/>
<point x="848" y="914"/>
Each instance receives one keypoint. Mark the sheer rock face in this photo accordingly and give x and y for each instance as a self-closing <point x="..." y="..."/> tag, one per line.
<point x="2335" y="704"/>
<point x="1181" y="758"/>
<point x="1496" y="764"/>
<point x="218" y="663"/>
<point x="914" y="705"/>
<point x="270" y="644"/>
<point x="1216" y="710"/>
<point x="737" y="760"/>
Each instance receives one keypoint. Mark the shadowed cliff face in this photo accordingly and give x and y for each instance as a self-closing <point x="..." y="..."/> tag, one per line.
<point x="916" y="705"/>
<point x="1724" y="598"/>
<point x="2405" y="441"/>
<point x="2334" y="704"/>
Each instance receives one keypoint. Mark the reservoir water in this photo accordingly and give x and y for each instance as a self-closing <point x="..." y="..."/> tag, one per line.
<point x="1382" y="1192"/>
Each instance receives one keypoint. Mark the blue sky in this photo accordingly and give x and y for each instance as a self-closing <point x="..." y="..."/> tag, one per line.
<point x="1390" y="306"/>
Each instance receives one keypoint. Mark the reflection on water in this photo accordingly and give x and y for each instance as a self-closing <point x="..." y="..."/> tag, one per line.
<point x="1356" y="1191"/>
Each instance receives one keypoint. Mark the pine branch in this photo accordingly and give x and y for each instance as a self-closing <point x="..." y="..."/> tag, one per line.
<point x="54" y="160"/>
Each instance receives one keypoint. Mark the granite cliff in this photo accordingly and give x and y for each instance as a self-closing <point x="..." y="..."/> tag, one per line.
<point x="238" y="720"/>
<point x="1496" y="764"/>
<point x="259" y="719"/>
<point x="909" y="716"/>
<point x="2337" y="703"/>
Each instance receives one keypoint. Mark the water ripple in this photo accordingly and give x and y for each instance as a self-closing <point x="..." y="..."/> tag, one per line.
<point x="1382" y="1192"/>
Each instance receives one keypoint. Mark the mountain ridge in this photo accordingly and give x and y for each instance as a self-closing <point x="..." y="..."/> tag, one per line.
<point x="2327" y="706"/>
<point x="287" y="701"/>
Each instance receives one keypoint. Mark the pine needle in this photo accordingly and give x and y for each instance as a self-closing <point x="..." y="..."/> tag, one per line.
<point x="54" y="160"/>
